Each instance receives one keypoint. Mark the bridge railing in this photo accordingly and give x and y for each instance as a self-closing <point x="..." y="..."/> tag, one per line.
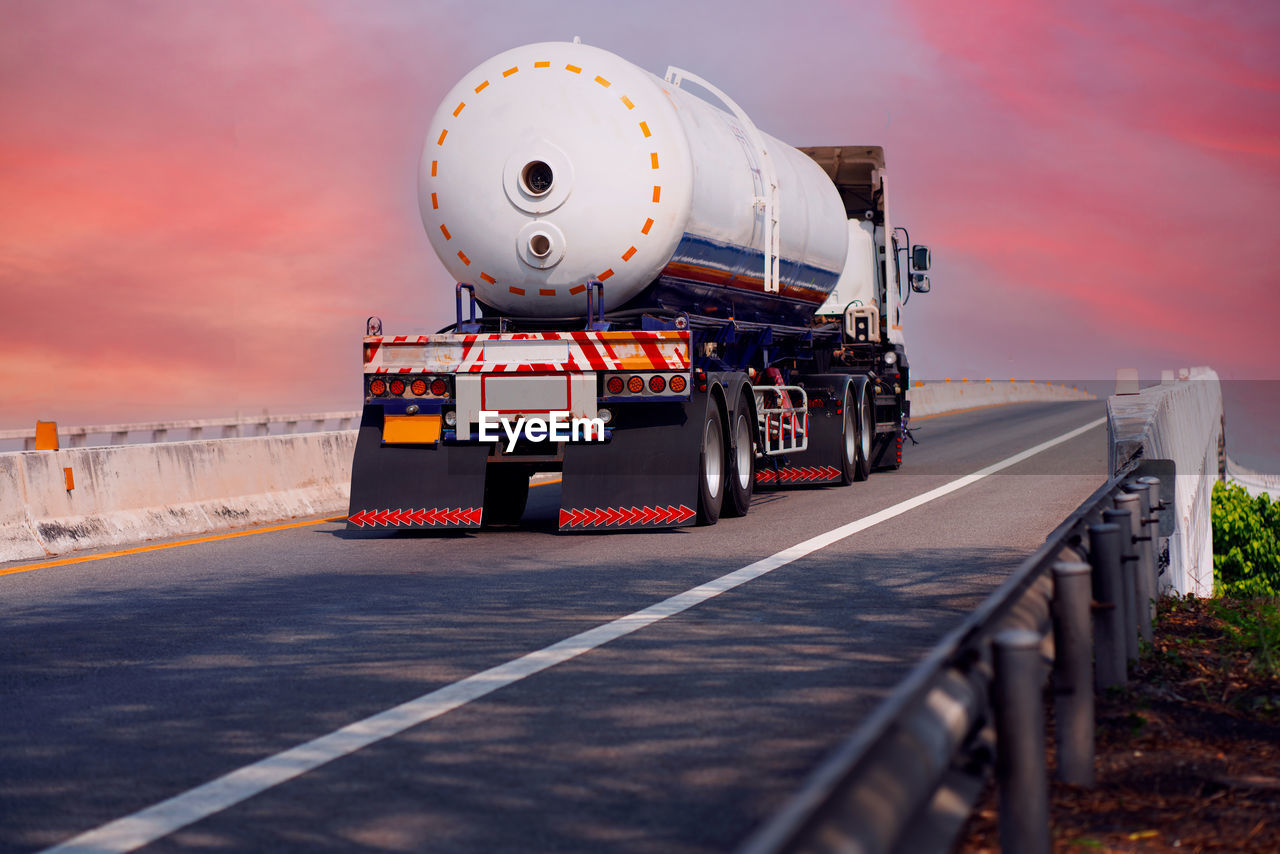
<point x="169" y="431"/>
<point x="1074" y="613"/>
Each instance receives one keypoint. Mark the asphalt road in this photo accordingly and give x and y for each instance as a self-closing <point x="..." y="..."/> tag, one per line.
<point x="130" y="680"/>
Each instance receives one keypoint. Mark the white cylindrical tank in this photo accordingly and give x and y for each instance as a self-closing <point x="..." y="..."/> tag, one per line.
<point x="555" y="164"/>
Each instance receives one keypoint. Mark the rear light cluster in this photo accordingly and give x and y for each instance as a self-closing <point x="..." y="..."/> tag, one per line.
<point x="409" y="386"/>
<point x="616" y="385"/>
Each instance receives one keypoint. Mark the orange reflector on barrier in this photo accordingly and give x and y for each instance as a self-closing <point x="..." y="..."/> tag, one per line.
<point x="46" y="435"/>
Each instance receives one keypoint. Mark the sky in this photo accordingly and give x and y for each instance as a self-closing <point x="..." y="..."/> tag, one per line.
<point x="200" y="203"/>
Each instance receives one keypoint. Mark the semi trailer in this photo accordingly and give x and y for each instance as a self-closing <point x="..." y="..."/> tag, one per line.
<point x="654" y="298"/>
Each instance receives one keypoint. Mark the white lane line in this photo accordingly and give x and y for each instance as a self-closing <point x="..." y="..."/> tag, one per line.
<point x="147" y="825"/>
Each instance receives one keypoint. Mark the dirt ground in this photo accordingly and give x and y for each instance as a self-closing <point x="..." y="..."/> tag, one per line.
<point x="1188" y="754"/>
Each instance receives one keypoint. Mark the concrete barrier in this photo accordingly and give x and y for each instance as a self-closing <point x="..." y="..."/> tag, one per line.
<point x="131" y="493"/>
<point x="1179" y="421"/>
<point x="937" y="398"/>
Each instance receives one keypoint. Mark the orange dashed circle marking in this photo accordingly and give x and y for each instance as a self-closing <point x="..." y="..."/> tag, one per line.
<point x="653" y="164"/>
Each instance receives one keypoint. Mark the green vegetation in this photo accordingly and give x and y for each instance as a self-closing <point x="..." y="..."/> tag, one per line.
<point x="1246" y="543"/>
<point x="1253" y="628"/>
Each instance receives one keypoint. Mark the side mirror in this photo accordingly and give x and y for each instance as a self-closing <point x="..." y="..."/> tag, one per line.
<point x="920" y="258"/>
<point x="920" y="283"/>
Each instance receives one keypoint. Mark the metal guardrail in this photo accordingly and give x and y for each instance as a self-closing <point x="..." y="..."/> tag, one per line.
<point x="227" y="428"/>
<point x="906" y="780"/>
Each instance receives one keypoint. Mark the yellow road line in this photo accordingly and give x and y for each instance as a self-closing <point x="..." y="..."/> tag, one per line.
<point x="915" y="418"/>
<point x="158" y="546"/>
<point x="209" y="539"/>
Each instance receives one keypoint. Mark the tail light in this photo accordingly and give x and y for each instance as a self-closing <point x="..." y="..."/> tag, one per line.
<point x="377" y="388"/>
<point x="439" y="387"/>
<point x="615" y="385"/>
<point x="678" y="383"/>
<point x="419" y="387"/>
<point x="657" y="384"/>
<point x="397" y="387"/>
<point x="635" y="385"/>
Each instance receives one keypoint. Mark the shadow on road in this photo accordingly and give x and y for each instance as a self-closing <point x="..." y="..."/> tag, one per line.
<point x="681" y="737"/>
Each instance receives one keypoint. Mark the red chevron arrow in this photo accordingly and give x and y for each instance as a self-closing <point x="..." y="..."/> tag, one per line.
<point x="451" y="515"/>
<point x="399" y="517"/>
<point x="565" y="516"/>
<point x="378" y="517"/>
<point x="357" y="518"/>
<point x="635" y="515"/>
<point x="686" y="513"/>
<point x="473" y="516"/>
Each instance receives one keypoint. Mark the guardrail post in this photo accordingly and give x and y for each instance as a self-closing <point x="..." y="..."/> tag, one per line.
<point x="1109" y="648"/>
<point x="119" y="437"/>
<point x="1145" y="603"/>
<point x="195" y="433"/>
<point x="1073" y="715"/>
<point x="1020" y="764"/>
<point x="1146" y="542"/>
<point x="230" y="431"/>
<point x="1128" y="557"/>
<point x="158" y="435"/>
<point x="1152" y="521"/>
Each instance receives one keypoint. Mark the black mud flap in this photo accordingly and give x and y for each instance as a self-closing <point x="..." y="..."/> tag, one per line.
<point x="431" y="487"/>
<point x="646" y="476"/>
<point x="820" y="462"/>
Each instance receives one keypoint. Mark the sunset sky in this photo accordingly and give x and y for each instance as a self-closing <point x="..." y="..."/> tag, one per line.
<point x="201" y="202"/>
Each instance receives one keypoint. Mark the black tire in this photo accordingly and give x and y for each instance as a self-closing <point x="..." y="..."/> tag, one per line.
<point x="712" y="465"/>
<point x="866" y="433"/>
<point x="847" y="447"/>
<point x="506" y="491"/>
<point x="742" y="466"/>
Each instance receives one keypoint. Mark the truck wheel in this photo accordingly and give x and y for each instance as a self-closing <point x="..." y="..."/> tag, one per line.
<point x="711" y="466"/>
<point x="742" y="467"/>
<point x="848" y="455"/>
<point x="866" y="431"/>
<point x="506" y="491"/>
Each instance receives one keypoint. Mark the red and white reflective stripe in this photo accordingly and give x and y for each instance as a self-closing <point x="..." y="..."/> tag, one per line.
<point x="580" y="352"/>
<point x="601" y="517"/>
<point x="798" y="474"/>
<point x="465" y="517"/>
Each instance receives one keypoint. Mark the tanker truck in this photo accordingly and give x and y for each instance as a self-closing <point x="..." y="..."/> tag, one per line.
<point x="655" y="299"/>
